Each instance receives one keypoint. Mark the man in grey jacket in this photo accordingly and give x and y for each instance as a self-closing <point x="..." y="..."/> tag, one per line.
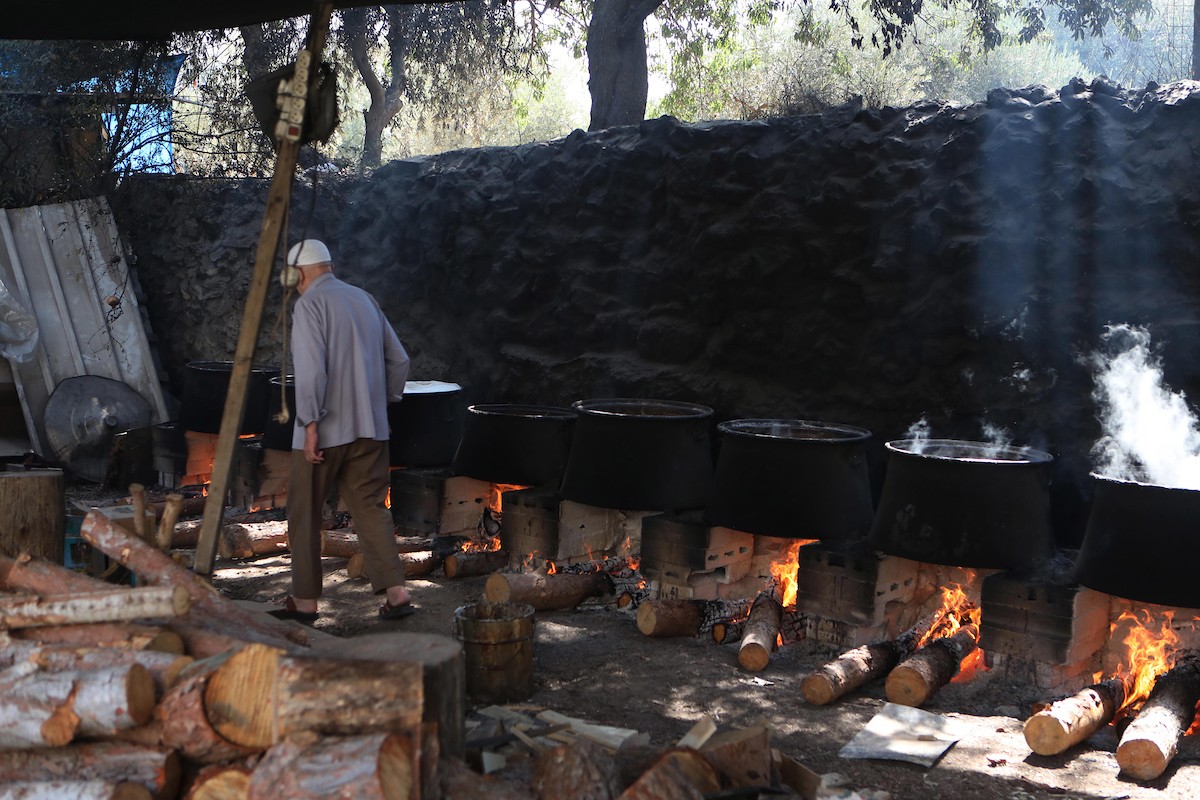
<point x="348" y="364"/>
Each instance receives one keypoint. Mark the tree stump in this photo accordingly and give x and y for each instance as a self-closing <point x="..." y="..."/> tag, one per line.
<point x="33" y="502"/>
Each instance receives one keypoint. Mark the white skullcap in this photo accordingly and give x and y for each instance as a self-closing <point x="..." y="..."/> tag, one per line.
<point x="308" y="252"/>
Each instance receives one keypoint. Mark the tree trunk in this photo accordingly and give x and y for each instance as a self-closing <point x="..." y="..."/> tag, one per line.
<point x="373" y="767"/>
<point x="386" y="100"/>
<point x="1152" y="739"/>
<point x="33" y="513"/>
<point x="618" y="74"/>
<point x="155" y="769"/>
<point x="114" y="605"/>
<point x="1068" y="722"/>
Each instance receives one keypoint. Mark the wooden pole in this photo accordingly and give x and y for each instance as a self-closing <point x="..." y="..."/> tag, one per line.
<point x="264" y="258"/>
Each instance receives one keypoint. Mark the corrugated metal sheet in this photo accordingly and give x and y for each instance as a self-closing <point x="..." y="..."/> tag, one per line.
<point x="64" y="262"/>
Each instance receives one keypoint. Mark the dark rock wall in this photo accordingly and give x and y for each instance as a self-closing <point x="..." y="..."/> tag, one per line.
<point x="869" y="267"/>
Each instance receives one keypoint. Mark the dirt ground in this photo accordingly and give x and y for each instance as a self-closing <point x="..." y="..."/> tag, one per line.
<point x="593" y="663"/>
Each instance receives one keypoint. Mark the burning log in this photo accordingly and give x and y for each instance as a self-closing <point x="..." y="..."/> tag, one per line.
<point x="1152" y="739"/>
<point x="154" y="769"/>
<point x="113" y="605"/>
<point x="475" y="563"/>
<point x="919" y="676"/>
<point x="546" y="592"/>
<point x="864" y="664"/>
<point x="730" y="631"/>
<point x="1068" y="722"/>
<point x="370" y="767"/>
<point x="76" y="790"/>
<point x="761" y="632"/>
<point x="156" y="567"/>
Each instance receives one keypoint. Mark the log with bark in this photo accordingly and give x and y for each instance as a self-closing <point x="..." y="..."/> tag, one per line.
<point x="417" y="564"/>
<point x="588" y="768"/>
<point x="157" y="568"/>
<point x="1067" y="722"/>
<point x="102" y="701"/>
<point x="154" y="768"/>
<point x="164" y="668"/>
<point x="220" y="782"/>
<point x="378" y="766"/>
<point x="917" y="678"/>
<point x="36" y="716"/>
<point x="75" y="790"/>
<point x="760" y="632"/>
<point x="184" y="719"/>
<point x="546" y="592"/>
<point x="1152" y="739"/>
<point x="474" y="564"/>
<point x="742" y="756"/>
<point x="246" y="540"/>
<point x="863" y="664"/>
<point x="677" y="775"/>
<point x="128" y="636"/>
<point x="110" y="605"/>
<point x="665" y="618"/>
<point x="166" y="523"/>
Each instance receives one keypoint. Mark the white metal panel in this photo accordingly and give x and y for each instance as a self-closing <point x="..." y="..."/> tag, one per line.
<point x="64" y="262"/>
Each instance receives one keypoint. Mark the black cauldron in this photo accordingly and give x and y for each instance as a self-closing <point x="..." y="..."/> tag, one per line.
<point x="205" y="390"/>
<point x="427" y="425"/>
<point x="278" y="435"/>
<point x="640" y="455"/>
<point x="792" y="478"/>
<point x="521" y="445"/>
<point x="965" y="504"/>
<point x="1142" y="543"/>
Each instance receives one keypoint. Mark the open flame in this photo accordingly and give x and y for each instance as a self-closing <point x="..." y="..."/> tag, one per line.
<point x="956" y="611"/>
<point x="495" y="497"/>
<point x="480" y="545"/>
<point x="1150" y="651"/>
<point x="784" y="570"/>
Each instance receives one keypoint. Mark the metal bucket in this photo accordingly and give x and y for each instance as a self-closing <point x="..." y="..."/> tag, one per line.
<point x="497" y="643"/>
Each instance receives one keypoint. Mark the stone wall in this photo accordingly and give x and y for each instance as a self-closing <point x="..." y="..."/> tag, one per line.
<point x="869" y="267"/>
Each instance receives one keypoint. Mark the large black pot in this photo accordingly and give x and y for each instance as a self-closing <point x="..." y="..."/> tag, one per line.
<point x="515" y="444"/>
<point x="792" y="478"/>
<point x="205" y="390"/>
<point x="965" y="504"/>
<point x="640" y="455"/>
<point x="427" y="425"/>
<point x="278" y="435"/>
<point x="1142" y="543"/>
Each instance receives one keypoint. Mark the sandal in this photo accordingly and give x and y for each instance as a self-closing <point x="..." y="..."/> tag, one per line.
<point x="289" y="611"/>
<point x="389" y="611"/>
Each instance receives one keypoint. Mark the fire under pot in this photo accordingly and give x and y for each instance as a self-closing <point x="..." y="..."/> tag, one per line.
<point x="792" y="478"/>
<point x="965" y="504"/>
<point x="206" y="387"/>
<point x="523" y="445"/>
<point x="1141" y="543"/>
<point x="644" y="455"/>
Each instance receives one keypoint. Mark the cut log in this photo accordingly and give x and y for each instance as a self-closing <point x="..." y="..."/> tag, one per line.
<point x="74" y="790"/>
<point x="164" y="668"/>
<point x="339" y="543"/>
<point x="1068" y="722"/>
<point x="416" y="564"/>
<point x="587" y="768"/>
<point x="157" y="568"/>
<point x="184" y="720"/>
<point x="742" y="757"/>
<point x="460" y="782"/>
<point x="663" y="618"/>
<point x="239" y="695"/>
<point x="220" y="782"/>
<point x="131" y="636"/>
<point x="155" y="769"/>
<point x="170" y="516"/>
<point x="37" y="715"/>
<point x="114" y="605"/>
<point x="1152" y="739"/>
<point x="546" y="592"/>
<point x="379" y="766"/>
<point x="760" y="632"/>
<point x="863" y="664"/>
<point x="474" y="564"/>
<point x="246" y="540"/>
<point x="33" y="503"/>
<point x="111" y="699"/>
<point x="443" y="669"/>
<point x="27" y="573"/>
<point x="917" y="678"/>
<point x="676" y="775"/>
<point x="200" y="642"/>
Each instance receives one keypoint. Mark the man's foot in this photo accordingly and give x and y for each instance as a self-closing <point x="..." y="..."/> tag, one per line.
<point x="290" y="611"/>
<point x="389" y="611"/>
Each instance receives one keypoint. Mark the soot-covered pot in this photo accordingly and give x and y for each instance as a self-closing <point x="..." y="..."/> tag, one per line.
<point x="206" y="387"/>
<point x="1142" y="543"/>
<point x="524" y="445"/>
<point x="792" y="478"/>
<point x="965" y="504"/>
<point x="427" y="425"/>
<point x="635" y="454"/>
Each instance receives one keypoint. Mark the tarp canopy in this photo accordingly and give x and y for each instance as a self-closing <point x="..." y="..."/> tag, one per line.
<point x="145" y="19"/>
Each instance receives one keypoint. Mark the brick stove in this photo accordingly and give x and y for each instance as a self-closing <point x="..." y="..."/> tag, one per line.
<point x="259" y="475"/>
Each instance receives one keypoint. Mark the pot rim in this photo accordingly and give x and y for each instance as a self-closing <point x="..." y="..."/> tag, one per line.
<point x="227" y="366"/>
<point x="522" y="410"/>
<point x="1111" y="479"/>
<point x="1002" y="454"/>
<point x="676" y="409"/>
<point x="849" y="433"/>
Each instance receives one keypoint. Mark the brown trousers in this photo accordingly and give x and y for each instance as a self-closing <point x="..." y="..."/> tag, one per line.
<point x="360" y="472"/>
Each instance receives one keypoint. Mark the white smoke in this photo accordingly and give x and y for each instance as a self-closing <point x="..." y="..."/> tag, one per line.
<point x="1149" y="433"/>
<point x="997" y="439"/>
<point x="918" y="432"/>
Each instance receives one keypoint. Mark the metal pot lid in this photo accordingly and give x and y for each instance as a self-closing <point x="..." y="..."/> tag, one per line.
<point x="430" y="387"/>
<point x="968" y="451"/>
<point x="799" y="430"/>
<point x="82" y="416"/>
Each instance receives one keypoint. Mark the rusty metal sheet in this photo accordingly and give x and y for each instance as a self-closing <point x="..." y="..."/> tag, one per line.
<point x="66" y="264"/>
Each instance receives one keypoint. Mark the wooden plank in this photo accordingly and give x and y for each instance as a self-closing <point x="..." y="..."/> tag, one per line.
<point x="268" y="242"/>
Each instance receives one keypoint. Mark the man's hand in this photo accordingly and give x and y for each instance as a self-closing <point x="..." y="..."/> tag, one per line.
<point x="312" y="453"/>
